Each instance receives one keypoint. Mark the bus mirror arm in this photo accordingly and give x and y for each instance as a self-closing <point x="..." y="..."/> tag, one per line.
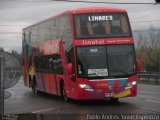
<point x="73" y="77"/>
<point x="139" y="66"/>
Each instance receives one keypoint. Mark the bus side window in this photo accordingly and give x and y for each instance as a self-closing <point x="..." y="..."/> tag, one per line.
<point x="51" y="65"/>
<point x="55" y="64"/>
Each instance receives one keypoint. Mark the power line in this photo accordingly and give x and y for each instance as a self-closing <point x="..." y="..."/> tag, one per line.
<point x="140" y="15"/>
<point x="27" y="1"/>
<point x="81" y="1"/>
<point x="145" y="21"/>
<point x="130" y="21"/>
<point x="13" y="25"/>
<point x="4" y="33"/>
<point x="100" y="2"/>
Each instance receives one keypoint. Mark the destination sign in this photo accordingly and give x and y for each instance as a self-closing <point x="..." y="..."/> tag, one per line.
<point x="100" y="18"/>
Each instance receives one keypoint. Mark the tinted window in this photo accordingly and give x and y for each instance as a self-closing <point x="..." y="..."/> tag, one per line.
<point x="121" y="59"/>
<point x="92" y="61"/>
<point x="101" y="25"/>
<point x="49" y="64"/>
<point x="106" y="61"/>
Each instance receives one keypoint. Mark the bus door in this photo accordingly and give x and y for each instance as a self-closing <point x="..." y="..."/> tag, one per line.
<point x="72" y="76"/>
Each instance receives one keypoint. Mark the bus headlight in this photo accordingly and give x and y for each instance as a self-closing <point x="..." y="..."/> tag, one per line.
<point x="85" y="86"/>
<point x="134" y="82"/>
<point x="129" y="84"/>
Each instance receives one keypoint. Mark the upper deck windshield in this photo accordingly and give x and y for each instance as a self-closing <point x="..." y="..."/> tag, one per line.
<point x="100" y="25"/>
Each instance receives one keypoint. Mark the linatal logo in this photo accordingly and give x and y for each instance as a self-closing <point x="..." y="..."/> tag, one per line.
<point x="93" y="42"/>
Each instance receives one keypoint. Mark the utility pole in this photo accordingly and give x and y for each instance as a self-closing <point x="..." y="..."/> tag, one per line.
<point x="2" y="72"/>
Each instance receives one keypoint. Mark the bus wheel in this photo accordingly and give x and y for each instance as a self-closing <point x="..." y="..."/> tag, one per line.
<point x="35" y="88"/>
<point x="114" y="100"/>
<point x="64" y="93"/>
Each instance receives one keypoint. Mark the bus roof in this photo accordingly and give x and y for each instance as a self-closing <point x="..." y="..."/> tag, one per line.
<point x="96" y="9"/>
<point x="83" y="10"/>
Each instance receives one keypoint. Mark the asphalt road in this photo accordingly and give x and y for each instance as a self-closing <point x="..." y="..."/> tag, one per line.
<point x="22" y="100"/>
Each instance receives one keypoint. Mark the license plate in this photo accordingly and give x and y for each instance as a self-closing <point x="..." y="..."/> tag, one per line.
<point x="109" y="94"/>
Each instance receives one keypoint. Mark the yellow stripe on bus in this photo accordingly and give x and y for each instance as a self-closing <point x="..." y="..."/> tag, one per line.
<point x="123" y="93"/>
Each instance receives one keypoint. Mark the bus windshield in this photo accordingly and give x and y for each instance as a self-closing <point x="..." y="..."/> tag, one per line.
<point x="100" y="25"/>
<point x="106" y="61"/>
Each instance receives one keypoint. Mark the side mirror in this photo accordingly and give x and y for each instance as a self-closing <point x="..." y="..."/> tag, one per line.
<point x="70" y="69"/>
<point x="139" y="66"/>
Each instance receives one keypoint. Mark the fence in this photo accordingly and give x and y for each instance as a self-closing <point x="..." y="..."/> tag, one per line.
<point x="149" y="77"/>
<point x="2" y="65"/>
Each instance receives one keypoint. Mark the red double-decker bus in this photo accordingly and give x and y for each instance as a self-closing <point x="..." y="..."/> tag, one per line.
<point x="82" y="54"/>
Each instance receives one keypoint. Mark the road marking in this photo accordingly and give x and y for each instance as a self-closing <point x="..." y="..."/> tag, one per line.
<point x="154" y="111"/>
<point x="44" y="110"/>
<point x="134" y="98"/>
<point x="148" y="100"/>
<point x="153" y="101"/>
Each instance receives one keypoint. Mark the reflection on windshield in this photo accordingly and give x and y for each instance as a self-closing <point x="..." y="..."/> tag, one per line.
<point x="121" y="59"/>
<point x="92" y="61"/>
<point x="111" y="60"/>
<point x="101" y="25"/>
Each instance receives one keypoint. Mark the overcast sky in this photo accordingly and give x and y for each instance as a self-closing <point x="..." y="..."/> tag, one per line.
<point x="17" y="14"/>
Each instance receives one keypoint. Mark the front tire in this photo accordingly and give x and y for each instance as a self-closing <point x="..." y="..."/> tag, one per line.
<point x="114" y="100"/>
<point x="35" y="88"/>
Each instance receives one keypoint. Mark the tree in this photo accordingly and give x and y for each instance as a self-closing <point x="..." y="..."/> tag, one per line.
<point x="18" y="55"/>
<point x="148" y="50"/>
<point x="1" y="49"/>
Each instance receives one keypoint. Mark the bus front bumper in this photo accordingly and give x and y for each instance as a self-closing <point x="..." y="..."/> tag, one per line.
<point x="102" y="94"/>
